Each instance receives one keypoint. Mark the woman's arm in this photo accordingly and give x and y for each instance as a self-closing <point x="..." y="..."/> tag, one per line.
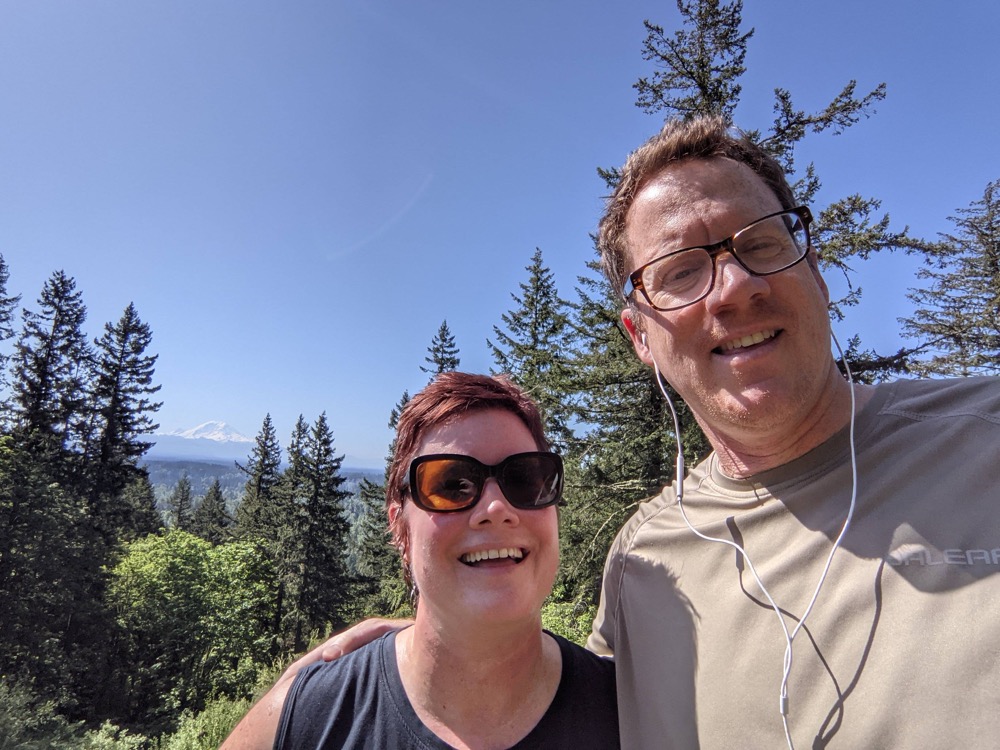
<point x="257" y="730"/>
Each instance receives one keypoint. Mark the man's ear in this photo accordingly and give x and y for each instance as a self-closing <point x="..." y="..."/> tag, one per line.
<point x="639" y="341"/>
<point x="813" y="260"/>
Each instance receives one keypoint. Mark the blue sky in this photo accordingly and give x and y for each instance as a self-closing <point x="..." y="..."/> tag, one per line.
<point x="296" y="194"/>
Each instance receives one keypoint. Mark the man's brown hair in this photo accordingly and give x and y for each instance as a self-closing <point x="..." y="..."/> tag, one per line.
<point x="705" y="137"/>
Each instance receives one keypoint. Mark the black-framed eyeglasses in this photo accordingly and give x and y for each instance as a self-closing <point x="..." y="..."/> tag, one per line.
<point x="769" y="245"/>
<point x="447" y="482"/>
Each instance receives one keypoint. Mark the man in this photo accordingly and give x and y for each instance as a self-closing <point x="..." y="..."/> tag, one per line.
<point x="901" y="647"/>
<point x="896" y="570"/>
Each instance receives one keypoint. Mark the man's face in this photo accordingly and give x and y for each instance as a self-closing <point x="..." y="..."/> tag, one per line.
<point x="753" y="356"/>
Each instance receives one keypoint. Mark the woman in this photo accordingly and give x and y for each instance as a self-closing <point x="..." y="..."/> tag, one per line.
<point x="471" y="498"/>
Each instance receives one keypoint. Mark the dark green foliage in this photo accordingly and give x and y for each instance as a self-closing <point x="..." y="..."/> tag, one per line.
<point x="323" y="587"/>
<point x="698" y="69"/>
<point x="121" y="414"/>
<point x="139" y="498"/>
<point x="381" y="589"/>
<point x="259" y="511"/>
<point x="180" y="505"/>
<point x="443" y="353"/>
<point x="51" y="366"/>
<point x="625" y="449"/>
<point x="296" y="519"/>
<point x="7" y="306"/>
<point x="30" y="723"/>
<point x="210" y="521"/>
<point x="957" y="319"/>
<point x="42" y="569"/>
<point x="532" y="349"/>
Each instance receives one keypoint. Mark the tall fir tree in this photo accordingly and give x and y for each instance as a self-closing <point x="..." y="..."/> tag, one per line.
<point x="325" y="584"/>
<point x="443" y="352"/>
<point x="284" y="538"/>
<point x="51" y="368"/>
<point x="532" y="348"/>
<point x="260" y="507"/>
<point x="210" y="520"/>
<point x="49" y="421"/>
<point x="957" y="319"/>
<point x="122" y="409"/>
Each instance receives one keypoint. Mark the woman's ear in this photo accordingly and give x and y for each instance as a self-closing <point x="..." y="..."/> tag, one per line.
<point x="397" y="532"/>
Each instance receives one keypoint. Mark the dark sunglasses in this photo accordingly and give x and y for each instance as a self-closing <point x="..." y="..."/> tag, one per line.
<point x="447" y="482"/>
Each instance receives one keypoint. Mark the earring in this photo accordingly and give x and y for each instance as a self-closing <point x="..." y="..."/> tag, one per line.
<point x="414" y="596"/>
<point x="414" y="593"/>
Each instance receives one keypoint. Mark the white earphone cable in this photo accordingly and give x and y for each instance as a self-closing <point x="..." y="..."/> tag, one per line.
<point x="679" y="491"/>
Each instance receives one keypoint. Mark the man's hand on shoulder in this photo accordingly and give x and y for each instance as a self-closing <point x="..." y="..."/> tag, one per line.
<point x="344" y="642"/>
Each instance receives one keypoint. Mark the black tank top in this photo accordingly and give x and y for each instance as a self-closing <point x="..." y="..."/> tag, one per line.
<point x="358" y="702"/>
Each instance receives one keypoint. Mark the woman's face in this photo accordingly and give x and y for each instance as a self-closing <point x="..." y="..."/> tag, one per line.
<point x="443" y="549"/>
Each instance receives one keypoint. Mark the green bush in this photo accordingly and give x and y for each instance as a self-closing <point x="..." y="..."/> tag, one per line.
<point x="111" y="737"/>
<point x="572" y="621"/>
<point x="27" y="723"/>
<point x="206" y="730"/>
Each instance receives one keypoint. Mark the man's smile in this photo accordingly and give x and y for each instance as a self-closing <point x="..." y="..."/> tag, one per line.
<point x="743" y="342"/>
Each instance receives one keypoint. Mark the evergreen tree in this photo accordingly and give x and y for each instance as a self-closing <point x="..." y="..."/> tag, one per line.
<point x="531" y="349"/>
<point x="54" y="546"/>
<point x="122" y="414"/>
<point x="324" y="583"/>
<point x="210" y="520"/>
<point x="625" y="450"/>
<point x="7" y="307"/>
<point x="180" y="505"/>
<point x="141" y="501"/>
<point x="41" y="559"/>
<point x="394" y="416"/>
<point x="283" y="539"/>
<point x="699" y="67"/>
<point x="258" y="511"/>
<point x="382" y="591"/>
<point x="958" y="314"/>
<point x="51" y="368"/>
<point x="443" y="352"/>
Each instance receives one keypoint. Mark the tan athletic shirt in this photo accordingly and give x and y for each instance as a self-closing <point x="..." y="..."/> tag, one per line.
<point x="902" y="649"/>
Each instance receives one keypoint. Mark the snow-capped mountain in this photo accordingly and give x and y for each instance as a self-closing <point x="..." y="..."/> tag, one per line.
<point x="212" y="430"/>
<point x="209" y="441"/>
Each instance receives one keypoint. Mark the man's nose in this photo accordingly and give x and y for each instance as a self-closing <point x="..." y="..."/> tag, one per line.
<point x="732" y="283"/>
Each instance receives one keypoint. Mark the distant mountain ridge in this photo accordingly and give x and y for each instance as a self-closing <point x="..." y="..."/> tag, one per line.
<point x="211" y="441"/>
<point x="212" y="430"/>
